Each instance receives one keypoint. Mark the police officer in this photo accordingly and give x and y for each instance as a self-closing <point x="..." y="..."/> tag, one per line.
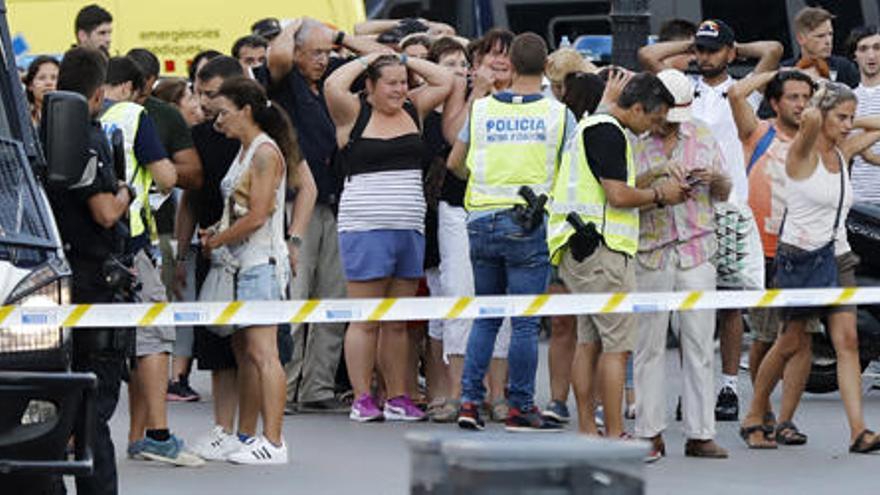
<point x="146" y="164"/>
<point x="509" y="151"/>
<point x="594" y="234"/>
<point x="88" y="215"/>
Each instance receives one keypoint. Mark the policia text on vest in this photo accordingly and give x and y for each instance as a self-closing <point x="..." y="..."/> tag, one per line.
<point x="513" y="129"/>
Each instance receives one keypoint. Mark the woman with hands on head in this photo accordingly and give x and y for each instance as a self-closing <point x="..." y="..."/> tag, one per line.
<point x="818" y="199"/>
<point x="382" y="212"/>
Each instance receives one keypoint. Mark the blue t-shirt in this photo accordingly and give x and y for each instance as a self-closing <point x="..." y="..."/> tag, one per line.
<point x="147" y="145"/>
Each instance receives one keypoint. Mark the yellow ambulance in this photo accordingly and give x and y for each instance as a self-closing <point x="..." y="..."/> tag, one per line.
<point x="175" y="30"/>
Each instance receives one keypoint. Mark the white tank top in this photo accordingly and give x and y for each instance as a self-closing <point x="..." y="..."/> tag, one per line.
<point x="811" y="207"/>
<point x="268" y="241"/>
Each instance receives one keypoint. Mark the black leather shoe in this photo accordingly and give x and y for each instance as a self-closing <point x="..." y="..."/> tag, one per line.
<point x="727" y="406"/>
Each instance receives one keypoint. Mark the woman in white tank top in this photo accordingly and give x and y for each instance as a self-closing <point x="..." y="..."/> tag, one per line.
<point x="254" y="195"/>
<point x="818" y="196"/>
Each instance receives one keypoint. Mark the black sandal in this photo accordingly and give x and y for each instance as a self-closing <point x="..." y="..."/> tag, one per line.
<point x="788" y="434"/>
<point x="746" y="432"/>
<point x="770" y="425"/>
<point x="862" y="446"/>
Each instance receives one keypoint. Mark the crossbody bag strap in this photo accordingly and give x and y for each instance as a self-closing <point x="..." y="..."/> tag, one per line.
<point x="840" y="200"/>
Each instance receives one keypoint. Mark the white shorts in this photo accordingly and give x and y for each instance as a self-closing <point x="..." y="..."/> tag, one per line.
<point x="455" y="278"/>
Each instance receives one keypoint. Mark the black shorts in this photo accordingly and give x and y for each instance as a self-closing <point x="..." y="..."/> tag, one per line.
<point x="213" y="352"/>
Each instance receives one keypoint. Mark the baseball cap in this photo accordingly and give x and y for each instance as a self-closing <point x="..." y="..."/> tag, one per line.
<point x="682" y="91"/>
<point x="714" y="34"/>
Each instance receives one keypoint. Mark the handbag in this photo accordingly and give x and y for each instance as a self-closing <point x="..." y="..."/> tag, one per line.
<point x="739" y="259"/>
<point x="221" y="281"/>
<point x="810" y="269"/>
<point x="220" y="284"/>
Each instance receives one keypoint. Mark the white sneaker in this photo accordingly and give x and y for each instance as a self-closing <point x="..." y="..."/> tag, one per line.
<point x="259" y="450"/>
<point x="216" y="445"/>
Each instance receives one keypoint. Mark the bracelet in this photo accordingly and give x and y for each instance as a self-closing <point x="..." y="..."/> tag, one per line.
<point x="340" y="37"/>
<point x="364" y="62"/>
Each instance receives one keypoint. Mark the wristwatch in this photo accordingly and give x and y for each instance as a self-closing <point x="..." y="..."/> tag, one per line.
<point x="295" y="240"/>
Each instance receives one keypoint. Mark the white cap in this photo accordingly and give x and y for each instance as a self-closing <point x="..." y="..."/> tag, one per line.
<point x="682" y="90"/>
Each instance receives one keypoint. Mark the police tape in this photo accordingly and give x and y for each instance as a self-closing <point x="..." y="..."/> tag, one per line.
<point x="417" y="308"/>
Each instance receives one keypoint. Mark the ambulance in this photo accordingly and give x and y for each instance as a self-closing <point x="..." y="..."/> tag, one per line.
<point x="175" y="30"/>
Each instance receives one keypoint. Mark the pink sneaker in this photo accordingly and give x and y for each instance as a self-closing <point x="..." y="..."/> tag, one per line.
<point x="402" y="409"/>
<point x="364" y="410"/>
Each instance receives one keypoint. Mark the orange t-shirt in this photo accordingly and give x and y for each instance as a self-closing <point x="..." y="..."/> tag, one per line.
<point x="766" y="181"/>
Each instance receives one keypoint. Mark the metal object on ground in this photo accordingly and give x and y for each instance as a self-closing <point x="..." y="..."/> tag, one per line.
<point x="506" y="464"/>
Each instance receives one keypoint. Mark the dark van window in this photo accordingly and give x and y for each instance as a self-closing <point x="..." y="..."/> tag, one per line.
<point x="752" y="20"/>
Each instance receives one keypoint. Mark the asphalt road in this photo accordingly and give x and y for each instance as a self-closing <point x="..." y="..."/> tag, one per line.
<point x="331" y="455"/>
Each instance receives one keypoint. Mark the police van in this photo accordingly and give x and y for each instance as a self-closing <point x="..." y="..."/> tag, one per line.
<point x="42" y="404"/>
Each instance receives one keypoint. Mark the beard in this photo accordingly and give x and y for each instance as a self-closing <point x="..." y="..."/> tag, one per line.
<point x="712" y="72"/>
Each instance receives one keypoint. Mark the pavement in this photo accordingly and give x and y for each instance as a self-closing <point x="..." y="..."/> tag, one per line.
<point x="332" y="455"/>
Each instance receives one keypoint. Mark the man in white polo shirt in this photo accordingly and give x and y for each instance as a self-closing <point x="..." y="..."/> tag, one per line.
<point x="716" y="48"/>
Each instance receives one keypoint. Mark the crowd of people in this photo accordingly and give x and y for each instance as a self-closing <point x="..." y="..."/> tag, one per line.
<point x="403" y="160"/>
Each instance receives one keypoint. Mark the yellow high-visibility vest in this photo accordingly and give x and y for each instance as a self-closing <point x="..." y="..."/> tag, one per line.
<point x="126" y="116"/>
<point x="512" y="145"/>
<point x="577" y="190"/>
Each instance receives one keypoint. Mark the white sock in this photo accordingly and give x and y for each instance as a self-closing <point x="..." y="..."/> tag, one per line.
<point x="729" y="381"/>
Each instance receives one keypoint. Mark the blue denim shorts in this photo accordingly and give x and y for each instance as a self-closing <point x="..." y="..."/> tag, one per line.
<point x="258" y="283"/>
<point x="377" y="254"/>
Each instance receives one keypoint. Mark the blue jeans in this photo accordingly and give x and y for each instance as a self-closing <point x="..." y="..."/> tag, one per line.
<point x="506" y="260"/>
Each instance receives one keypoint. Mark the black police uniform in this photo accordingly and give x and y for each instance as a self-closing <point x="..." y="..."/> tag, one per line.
<point x="101" y="351"/>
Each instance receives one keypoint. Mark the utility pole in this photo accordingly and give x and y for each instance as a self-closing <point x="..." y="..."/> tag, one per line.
<point x="630" y="27"/>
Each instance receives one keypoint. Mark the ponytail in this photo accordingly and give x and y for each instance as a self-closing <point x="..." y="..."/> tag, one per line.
<point x="268" y="115"/>
<point x="273" y="120"/>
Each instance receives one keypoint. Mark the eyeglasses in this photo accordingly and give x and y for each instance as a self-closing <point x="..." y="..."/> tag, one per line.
<point x="318" y="54"/>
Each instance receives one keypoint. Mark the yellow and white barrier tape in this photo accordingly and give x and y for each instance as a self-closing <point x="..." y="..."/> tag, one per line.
<point x="421" y="308"/>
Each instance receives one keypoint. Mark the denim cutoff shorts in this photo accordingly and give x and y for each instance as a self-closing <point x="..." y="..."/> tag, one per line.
<point x="378" y="254"/>
<point x="258" y="283"/>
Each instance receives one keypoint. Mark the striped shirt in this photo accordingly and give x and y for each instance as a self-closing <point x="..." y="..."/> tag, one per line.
<point x="866" y="177"/>
<point x="392" y="200"/>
